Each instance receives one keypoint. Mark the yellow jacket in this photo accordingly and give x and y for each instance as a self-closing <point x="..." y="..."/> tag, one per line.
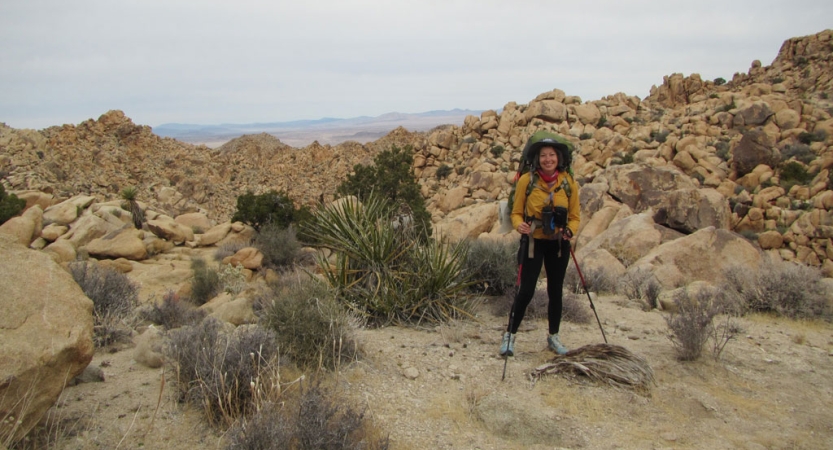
<point x="538" y="198"/>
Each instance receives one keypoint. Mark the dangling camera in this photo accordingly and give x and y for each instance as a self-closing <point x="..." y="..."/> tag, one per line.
<point x="553" y="219"/>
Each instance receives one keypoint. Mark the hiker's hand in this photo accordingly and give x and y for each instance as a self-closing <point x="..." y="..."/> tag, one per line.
<point x="523" y="228"/>
<point x="567" y="234"/>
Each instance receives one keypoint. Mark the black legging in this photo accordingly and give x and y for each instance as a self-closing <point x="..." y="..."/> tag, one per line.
<point x="546" y="252"/>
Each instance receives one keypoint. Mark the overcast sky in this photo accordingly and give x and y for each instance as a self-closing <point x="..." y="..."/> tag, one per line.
<point x="212" y="62"/>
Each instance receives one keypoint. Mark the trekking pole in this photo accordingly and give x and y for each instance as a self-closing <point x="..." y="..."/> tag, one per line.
<point x="584" y="285"/>
<point x="521" y="255"/>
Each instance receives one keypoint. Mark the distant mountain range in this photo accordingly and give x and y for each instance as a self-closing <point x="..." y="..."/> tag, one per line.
<point x="328" y="130"/>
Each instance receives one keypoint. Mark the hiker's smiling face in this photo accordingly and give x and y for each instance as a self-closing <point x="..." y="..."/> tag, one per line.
<point x="548" y="160"/>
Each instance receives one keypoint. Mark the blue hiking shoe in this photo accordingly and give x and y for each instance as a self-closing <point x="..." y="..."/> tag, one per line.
<point x="507" y="345"/>
<point x="554" y="344"/>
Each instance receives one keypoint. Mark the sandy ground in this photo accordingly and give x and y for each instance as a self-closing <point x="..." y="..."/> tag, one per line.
<point x="441" y="388"/>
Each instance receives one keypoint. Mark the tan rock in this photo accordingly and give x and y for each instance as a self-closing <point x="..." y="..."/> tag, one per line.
<point x="248" y="257"/>
<point x="170" y="230"/>
<point x="148" y="351"/>
<point x="468" y="222"/>
<point x="197" y="222"/>
<point x="53" y="231"/>
<point x="787" y="119"/>
<point x="21" y="228"/>
<point x="548" y="110"/>
<point x="46" y="332"/>
<point x="703" y="255"/>
<point x="124" y="243"/>
<point x="453" y="198"/>
<point x="67" y="211"/>
<point x="587" y="113"/>
<point x="770" y="240"/>
<point x="120" y="265"/>
<point x="61" y="251"/>
<point x="42" y="199"/>
<point x="87" y="228"/>
<point x="236" y="312"/>
<point x="214" y="235"/>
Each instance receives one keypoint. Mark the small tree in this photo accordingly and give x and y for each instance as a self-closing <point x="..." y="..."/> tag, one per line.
<point x="10" y="205"/>
<point x="258" y="210"/>
<point x="392" y="177"/>
<point x="129" y="194"/>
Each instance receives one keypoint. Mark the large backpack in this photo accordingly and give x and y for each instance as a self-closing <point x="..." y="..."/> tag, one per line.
<point x="529" y="163"/>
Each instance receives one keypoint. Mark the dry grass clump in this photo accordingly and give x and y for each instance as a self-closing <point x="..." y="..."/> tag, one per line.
<point x="279" y="245"/>
<point x="114" y="296"/>
<point x="605" y="363"/>
<point x="229" y="249"/>
<point x="229" y="376"/>
<point x="597" y="279"/>
<point x="573" y="309"/>
<point x="642" y="286"/>
<point x="317" y="418"/>
<point x="173" y="312"/>
<point x="789" y="289"/>
<point x="311" y="328"/>
<point x="492" y="266"/>
<point x="692" y="324"/>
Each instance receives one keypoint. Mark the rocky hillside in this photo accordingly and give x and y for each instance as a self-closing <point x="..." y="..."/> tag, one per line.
<point x="694" y="154"/>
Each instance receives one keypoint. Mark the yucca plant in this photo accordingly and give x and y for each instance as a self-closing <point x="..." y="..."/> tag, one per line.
<point x="130" y="204"/>
<point x="382" y="270"/>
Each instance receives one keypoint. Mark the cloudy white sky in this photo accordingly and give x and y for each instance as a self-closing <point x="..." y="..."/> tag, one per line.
<point x="220" y="61"/>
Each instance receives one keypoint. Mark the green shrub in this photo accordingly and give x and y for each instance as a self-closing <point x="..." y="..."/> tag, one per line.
<point x="801" y="152"/>
<point x="311" y="328"/>
<point x="719" y="81"/>
<point x="722" y="150"/>
<point x="444" y="171"/>
<point x="808" y="138"/>
<point x="272" y="207"/>
<point x="602" y="122"/>
<point x="173" y="312"/>
<point x="660" y="136"/>
<point x="114" y="296"/>
<point x="232" y="278"/>
<point x="279" y="245"/>
<point x="627" y="158"/>
<point x="714" y="95"/>
<point x="492" y="265"/>
<point x="776" y="80"/>
<point x="206" y="282"/>
<point x="497" y="150"/>
<point x="317" y="418"/>
<point x="585" y="136"/>
<point x="230" y="248"/>
<point x="783" y="287"/>
<point x="10" y="205"/>
<point x="391" y="176"/>
<point x="383" y="271"/>
<point x="793" y="173"/>
<point x="228" y="376"/>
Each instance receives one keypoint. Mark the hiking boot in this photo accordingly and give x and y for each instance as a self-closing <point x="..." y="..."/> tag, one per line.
<point x="507" y="346"/>
<point x="554" y="343"/>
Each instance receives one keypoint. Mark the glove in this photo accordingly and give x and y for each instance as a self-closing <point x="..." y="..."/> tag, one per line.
<point x="567" y="234"/>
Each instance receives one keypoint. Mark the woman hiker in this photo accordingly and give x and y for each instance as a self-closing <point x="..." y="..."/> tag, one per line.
<point x="549" y="213"/>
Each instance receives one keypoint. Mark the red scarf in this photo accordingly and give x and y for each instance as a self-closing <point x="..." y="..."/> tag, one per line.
<point x="548" y="179"/>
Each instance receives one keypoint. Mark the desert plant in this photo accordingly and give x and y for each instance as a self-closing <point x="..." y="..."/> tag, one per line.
<point x="660" y="136"/>
<point x="230" y="248"/>
<point x="229" y="376"/>
<point x="492" y="266"/>
<point x="808" y="138"/>
<point x="801" y="152"/>
<point x="10" y="205"/>
<point x="279" y="245"/>
<point x="573" y="309"/>
<point x="640" y="285"/>
<point x="232" y="278"/>
<point x="719" y="81"/>
<point x="205" y="284"/>
<point x="130" y="204"/>
<point x="497" y="150"/>
<point x="597" y="280"/>
<point x="444" y="171"/>
<point x="391" y="176"/>
<point x="317" y="418"/>
<point x="114" y="296"/>
<point x="383" y="271"/>
<point x="585" y="136"/>
<point x="793" y="173"/>
<point x="690" y="325"/>
<point x="268" y="208"/>
<point x="787" y="288"/>
<point x="173" y="312"/>
<point x="722" y="150"/>
<point x="602" y="121"/>
<point x="311" y="328"/>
